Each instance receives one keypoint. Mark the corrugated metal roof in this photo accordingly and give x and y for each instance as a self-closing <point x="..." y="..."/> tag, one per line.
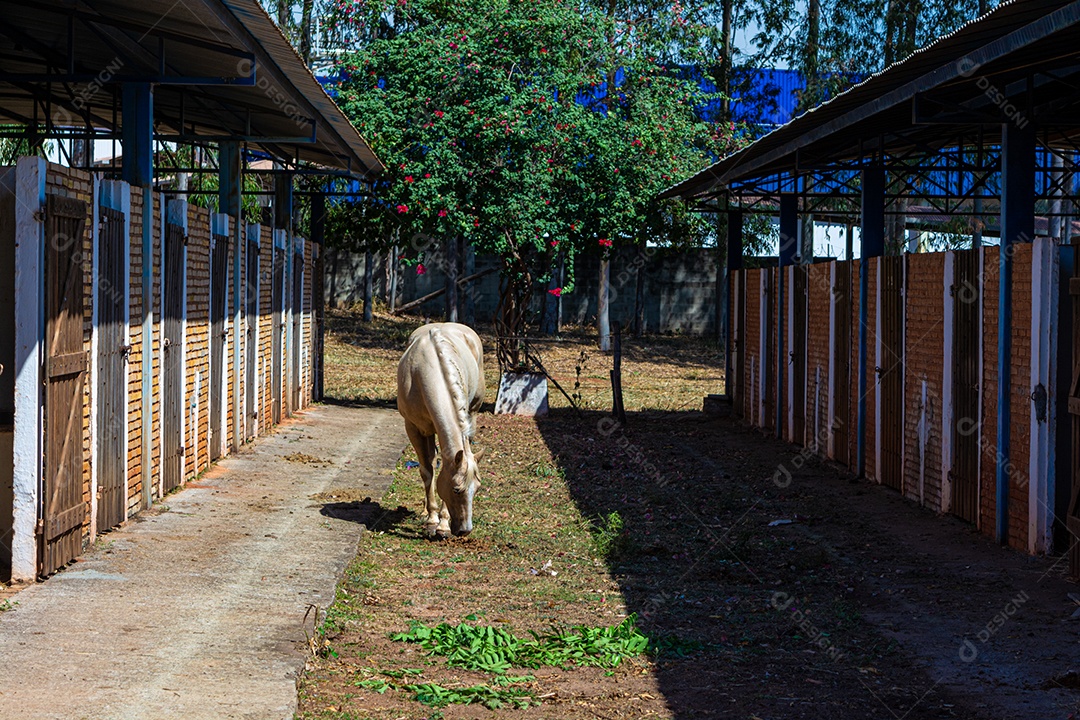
<point x="114" y="40"/>
<point x="1009" y="40"/>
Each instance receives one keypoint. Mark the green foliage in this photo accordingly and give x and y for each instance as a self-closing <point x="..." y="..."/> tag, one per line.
<point x="490" y="697"/>
<point x="473" y="106"/>
<point x="496" y="649"/>
<point x="609" y="535"/>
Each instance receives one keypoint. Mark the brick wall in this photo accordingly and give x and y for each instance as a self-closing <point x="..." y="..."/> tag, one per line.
<point x="1020" y="398"/>
<point x="988" y="429"/>
<point x="752" y="341"/>
<point x="197" y="345"/>
<point x="870" y="466"/>
<point x="853" y="391"/>
<point x="924" y="330"/>
<point x="818" y="332"/>
<point x="135" y="359"/>
<point x="266" y="326"/>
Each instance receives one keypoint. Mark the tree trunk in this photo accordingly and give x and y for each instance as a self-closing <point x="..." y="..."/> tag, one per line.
<point x="603" y="315"/>
<point x="639" y="302"/>
<point x="814" y="94"/>
<point x="451" y="271"/>
<point x="725" y="69"/>
<point x="305" y="30"/>
<point x="369" y="285"/>
<point x="284" y="10"/>
<point x="393" y="279"/>
<point x="467" y="301"/>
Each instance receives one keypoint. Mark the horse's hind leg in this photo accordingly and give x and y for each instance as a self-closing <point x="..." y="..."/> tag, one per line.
<point x="425" y="454"/>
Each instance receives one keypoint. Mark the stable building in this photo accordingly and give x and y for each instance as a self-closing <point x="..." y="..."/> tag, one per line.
<point x="143" y="336"/>
<point x="949" y="376"/>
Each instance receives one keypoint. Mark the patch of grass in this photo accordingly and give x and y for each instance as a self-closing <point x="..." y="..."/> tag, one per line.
<point x="496" y="649"/>
<point x="6" y="605"/>
<point x="490" y="697"/>
<point x="609" y="535"/>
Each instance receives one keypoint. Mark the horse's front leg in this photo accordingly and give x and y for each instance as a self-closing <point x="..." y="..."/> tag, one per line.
<point x="425" y="454"/>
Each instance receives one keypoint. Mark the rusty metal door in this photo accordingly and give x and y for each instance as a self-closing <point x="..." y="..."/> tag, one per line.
<point x="278" y="338"/>
<point x="251" y="318"/>
<point x="172" y="359"/>
<point x="842" y="359"/>
<point x="769" y="313"/>
<point x="63" y="507"/>
<point x="297" y="327"/>
<point x="964" y="472"/>
<point x="219" y="284"/>
<point x="738" y="342"/>
<point x="112" y="352"/>
<point x="797" y="356"/>
<point x="890" y="372"/>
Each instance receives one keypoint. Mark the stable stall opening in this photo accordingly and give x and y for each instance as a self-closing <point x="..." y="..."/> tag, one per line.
<point x="7" y="366"/>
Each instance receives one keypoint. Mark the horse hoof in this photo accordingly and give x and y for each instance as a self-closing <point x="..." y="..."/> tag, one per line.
<point x="431" y="530"/>
<point x="442" y="533"/>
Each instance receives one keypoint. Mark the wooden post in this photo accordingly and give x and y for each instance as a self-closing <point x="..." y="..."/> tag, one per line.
<point x="393" y="266"/>
<point x="602" y="311"/>
<point x="617" y="409"/>
<point x="369" y="285"/>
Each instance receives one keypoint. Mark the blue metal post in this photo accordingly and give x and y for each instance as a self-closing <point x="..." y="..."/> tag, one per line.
<point x="1017" y="225"/>
<point x="789" y="243"/>
<point x="733" y="262"/>
<point x="872" y="244"/>
<point x="137" y="138"/>
<point x="229" y="187"/>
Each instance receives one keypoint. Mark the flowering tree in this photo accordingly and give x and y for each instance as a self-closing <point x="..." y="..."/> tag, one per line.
<point x="533" y="129"/>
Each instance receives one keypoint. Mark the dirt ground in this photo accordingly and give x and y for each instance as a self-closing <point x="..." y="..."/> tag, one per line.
<point x="822" y="597"/>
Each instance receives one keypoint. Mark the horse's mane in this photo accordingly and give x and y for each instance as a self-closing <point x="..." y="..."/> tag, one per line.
<point x="451" y="371"/>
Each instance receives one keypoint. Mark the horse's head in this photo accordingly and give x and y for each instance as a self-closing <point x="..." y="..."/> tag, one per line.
<point x="457" y="483"/>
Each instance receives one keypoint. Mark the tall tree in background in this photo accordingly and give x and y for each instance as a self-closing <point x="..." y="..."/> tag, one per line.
<point x="531" y="129"/>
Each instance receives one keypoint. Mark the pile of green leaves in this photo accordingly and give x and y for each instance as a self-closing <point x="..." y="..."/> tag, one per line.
<point x="496" y="650"/>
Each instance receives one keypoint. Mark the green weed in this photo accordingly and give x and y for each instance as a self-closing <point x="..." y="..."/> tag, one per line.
<point x="609" y="535"/>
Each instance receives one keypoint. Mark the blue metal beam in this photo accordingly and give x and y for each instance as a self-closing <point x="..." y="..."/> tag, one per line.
<point x="872" y="244"/>
<point x="789" y="242"/>
<point x="138" y="134"/>
<point x="1017" y="226"/>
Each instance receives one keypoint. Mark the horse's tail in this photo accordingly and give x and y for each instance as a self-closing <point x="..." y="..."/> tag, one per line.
<point x="455" y="381"/>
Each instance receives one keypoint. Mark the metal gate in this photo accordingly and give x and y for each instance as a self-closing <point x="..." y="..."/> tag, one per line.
<point x="842" y="363"/>
<point x="890" y="372"/>
<point x="318" y="312"/>
<point x="63" y="509"/>
<point x="798" y="354"/>
<point x="172" y="358"/>
<point x="769" y="314"/>
<point x="964" y="474"/>
<point x="298" y="326"/>
<point x="277" y="340"/>
<point x="112" y="352"/>
<point x="251" y="335"/>
<point x="219" y="284"/>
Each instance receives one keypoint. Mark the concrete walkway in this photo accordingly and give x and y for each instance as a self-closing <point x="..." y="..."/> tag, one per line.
<point x="197" y="611"/>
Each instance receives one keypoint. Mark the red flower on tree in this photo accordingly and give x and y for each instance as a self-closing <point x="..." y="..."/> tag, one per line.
<point x="557" y="292"/>
<point x="604" y="242"/>
<point x="402" y="209"/>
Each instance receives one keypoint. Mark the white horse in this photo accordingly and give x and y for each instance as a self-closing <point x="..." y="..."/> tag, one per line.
<point x="440" y="385"/>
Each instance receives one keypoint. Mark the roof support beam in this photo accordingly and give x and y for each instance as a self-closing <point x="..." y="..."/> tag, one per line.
<point x="138" y="170"/>
<point x="1017" y="226"/>
<point x="872" y="244"/>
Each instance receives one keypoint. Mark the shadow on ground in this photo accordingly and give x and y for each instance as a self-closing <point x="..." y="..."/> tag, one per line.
<point x="808" y="600"/>
<point x="399" y="521"/>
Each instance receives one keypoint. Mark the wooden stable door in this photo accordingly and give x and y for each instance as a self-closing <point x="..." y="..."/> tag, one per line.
<point x="112" y="352"/>
<point x="891" y="371"/>
<point x="172" y="360"/>
<point x="738" y="344"/>
<point x="964" y="473"/>
<point x="63" y="507"/>
<point x="768" y="309"/>
<point x="1072" y="514"/>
